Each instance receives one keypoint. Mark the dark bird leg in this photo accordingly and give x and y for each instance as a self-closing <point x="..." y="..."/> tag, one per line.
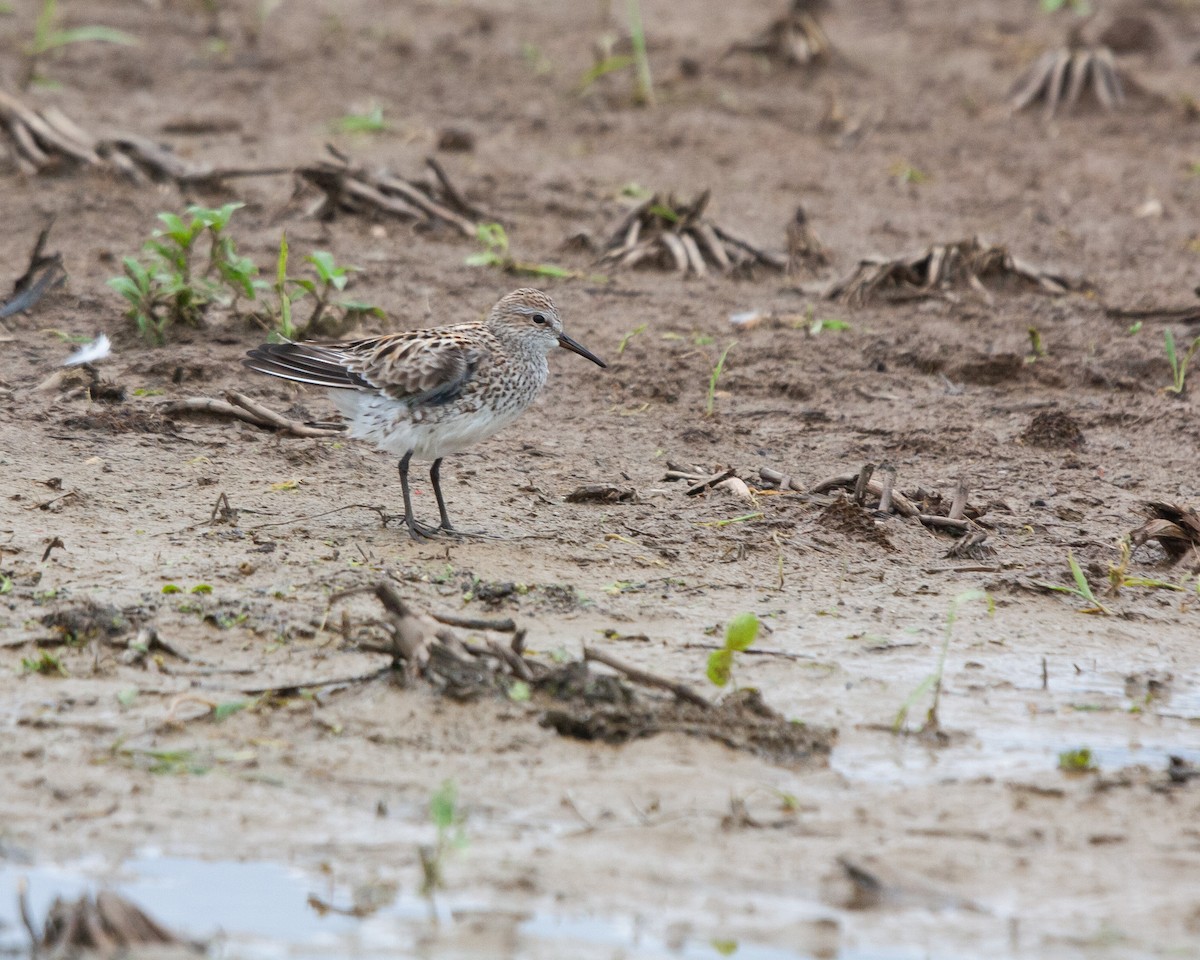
<point x="435" y="478"/>
<point x="418" y="531"/>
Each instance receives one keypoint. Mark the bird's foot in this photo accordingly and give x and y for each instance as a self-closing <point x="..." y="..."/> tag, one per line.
<point x="421" y="531"/>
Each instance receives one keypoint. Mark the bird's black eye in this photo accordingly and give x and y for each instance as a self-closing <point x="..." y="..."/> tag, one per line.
<point x="539" y="318"/>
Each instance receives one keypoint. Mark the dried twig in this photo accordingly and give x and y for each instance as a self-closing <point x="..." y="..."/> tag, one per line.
<point x="863" y="481"/>
<point x="644" y="677"/>
<point x="505" y="625"/>
<point x="958" y="506"/>
<point x="888" y="482"/>
<point x="240" y="407"/>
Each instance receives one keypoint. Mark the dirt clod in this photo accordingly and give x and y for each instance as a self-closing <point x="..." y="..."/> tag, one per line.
<point x="1054" y="429"/>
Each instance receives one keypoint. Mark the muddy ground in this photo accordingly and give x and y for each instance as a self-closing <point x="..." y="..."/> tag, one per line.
<point x="980" y="844"/>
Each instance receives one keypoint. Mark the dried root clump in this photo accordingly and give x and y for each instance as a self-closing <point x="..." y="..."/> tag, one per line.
<point x="796" y="39"/>
<point x="432" y="202"/>
<point x="1175" y="527"/>
<point x="467" y="659"/>
<point x="669" y="235"/>
<point x="1061" y="78"/>
<point x="107" y="925"/>
<point x="47" y="140"/>
<point x="938" y="270"/>
<point x="874" y="490"/>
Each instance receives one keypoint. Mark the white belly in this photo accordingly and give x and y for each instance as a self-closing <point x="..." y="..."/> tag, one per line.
<point x="438" y="433"/>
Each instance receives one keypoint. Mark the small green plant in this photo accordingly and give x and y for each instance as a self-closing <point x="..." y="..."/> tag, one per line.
<point x="934" y="680"/>
<point x="536" y="60"/>
<point x="609" y="62"/>
<point x="744" y="518"/>
<point x="1082" y="588"/>
<point x="519" y="691"/>
<point x="45" y="663"/>
<point x="1080" y="7"/>
<point x="739" y="635"/>
<point x="1179" y="366"/>
<point x="644" y="91"/>
<point x="370" y="122"/>
<point x="171" y="287"/>
<point x="711" y="400"/>
<point x="494" y="239"/>
<point x="821" y="324"/>
<point x="1119" y="576"/>
<point x="173" y="763"/>
<point x="906" y="173"/>
<point x="1079" y="760"/>
<point x="1037" y="348"/>
<point x="330" y="315"/>
<point x="48" y="36"/>
<point x="448" y="820"/>
<point x="629" y="336"/>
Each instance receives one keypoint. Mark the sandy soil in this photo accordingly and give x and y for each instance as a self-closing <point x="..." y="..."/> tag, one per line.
<point x="981" y="844"/>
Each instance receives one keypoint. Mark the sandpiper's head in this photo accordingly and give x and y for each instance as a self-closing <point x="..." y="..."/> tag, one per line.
<point x="527" y="318"/>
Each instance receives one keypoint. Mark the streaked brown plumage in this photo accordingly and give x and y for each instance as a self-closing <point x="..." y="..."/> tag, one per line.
<point x="430" y="393"/>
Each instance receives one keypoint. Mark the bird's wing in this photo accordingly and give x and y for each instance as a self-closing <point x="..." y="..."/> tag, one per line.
<point x="417" y="367"/>
<point x="322" y="365"/>
<point x="422" y="369"/>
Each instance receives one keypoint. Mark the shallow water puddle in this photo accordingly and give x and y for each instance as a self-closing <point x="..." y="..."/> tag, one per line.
<point x="261" y="911"/>
<point x="876" y="757"/>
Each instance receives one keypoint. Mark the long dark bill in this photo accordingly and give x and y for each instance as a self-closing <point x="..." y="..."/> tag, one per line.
<point x="565" y="341"/>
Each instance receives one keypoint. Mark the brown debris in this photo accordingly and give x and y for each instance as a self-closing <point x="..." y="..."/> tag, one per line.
<point x="123" y="419"/>
<point x="973" y="546"/>
<point x="602" y="493"/>
<point x="1062" y="77"/>
<point x="87" y="621"/>
<point x="806" y="253"/>
<point x="435" y="201"/>
<point x="44" y="273"/>
<point x="1175" y="527"/>
<point x="108" y="925"/>
<point x="849" y="518"/>
<point x="741" y="721"/>
<point x="573" y="699"/>
<point x="669" y="235"/>
<point x="1130" y="33"/>
<point x="796" y="39"/>
<point x="937" y="270"/>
